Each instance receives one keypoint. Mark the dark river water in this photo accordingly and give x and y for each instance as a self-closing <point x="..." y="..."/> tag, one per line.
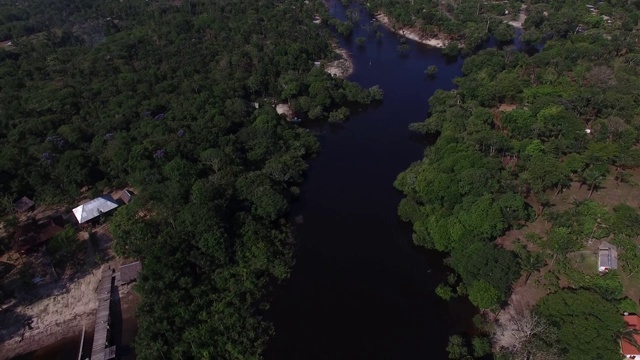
<point x="360" y="288"/>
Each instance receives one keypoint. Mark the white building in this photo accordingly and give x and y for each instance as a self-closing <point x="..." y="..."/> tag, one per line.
<point x="607" y="257"/>
<point x="94" y="208"/>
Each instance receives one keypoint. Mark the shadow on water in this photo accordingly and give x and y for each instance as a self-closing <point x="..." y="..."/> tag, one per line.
<point x="123" y="328"/>
<point x="129" y="331"/>
<point x="64" y="349"/>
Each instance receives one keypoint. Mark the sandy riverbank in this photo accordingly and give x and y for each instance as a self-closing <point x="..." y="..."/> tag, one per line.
<point x="521" y="18"/>
<point x="57" y="317"/>
<point x="412" y="33"/>
<point x="53" y="318"/>
<point x="343" y="67"/>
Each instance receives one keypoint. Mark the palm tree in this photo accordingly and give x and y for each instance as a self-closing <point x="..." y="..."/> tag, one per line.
<point x="530" y="263"/>
<point x="594" y="176"/>
<point x="629" y="334"/>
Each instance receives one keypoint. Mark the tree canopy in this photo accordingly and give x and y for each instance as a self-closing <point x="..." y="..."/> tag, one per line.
<point x="588" y="327"/>
<point x="176" y="100"/>
<point x="518" y="130"/>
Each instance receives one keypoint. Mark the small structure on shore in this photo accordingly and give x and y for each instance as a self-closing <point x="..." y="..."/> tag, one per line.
<point x="94" y="208"/>
<point x="23" y="205"/>
<point x="34" y="233"/>
<point x="102" y="349"/>
<point x="628" y="349"/>
<point x="607" y="257"/>
<point x="125" y="196"/>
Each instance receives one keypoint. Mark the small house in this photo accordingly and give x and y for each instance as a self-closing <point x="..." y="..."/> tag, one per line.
<point x="125" y="196"/>
<point x="607" y="257"/>
<point x="94" y="208"/>
<point x="50" y="228"/>
<point x="31" y="235"/>
<point x="628" y="348"/>
<point x="23" y="205"/>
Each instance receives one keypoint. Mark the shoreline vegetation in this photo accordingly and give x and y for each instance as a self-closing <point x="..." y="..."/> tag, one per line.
<point x="531" y="181"/>
<point x="439" y="41"/>
<point x="412" y="33"/>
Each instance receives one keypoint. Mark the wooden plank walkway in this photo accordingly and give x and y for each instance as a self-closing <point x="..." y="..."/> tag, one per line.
<point x="101" y="331"/>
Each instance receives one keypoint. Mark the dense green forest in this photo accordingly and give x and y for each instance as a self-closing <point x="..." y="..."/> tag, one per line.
<point x="464" y="22"/>
<point x="517" y="133"/>
<point x="471" y="23"/>
<point x="173" y="99"/>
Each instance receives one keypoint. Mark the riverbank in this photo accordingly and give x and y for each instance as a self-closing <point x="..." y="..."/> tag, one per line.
<point x="412" y="33"/>
<point x="63" y="339"/>
<point x="57" y="318"/>
<point x="50" y="319"/>
<point x="519" y="22"/>
<point x="342" y="67"/>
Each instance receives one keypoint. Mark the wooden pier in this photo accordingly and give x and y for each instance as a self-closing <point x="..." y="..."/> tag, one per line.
<point x="111" y="279"/>
<point x="102" y="349"/>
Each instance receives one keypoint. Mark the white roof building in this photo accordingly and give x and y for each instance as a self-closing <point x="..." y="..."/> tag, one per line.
<point x="607" y="257"/>
<point x="94" y="208"/>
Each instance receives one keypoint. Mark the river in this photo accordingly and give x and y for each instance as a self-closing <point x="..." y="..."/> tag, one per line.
<point x="360" y="288"/>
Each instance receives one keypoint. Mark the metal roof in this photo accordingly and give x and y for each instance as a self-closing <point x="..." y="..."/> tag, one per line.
<point x="23" y="204"/>
<point x="94" y="208"/>
<point x="607" y="256"/>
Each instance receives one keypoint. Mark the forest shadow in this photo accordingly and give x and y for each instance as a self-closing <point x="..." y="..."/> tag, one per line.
<point x="13" y="323"/>
<point x="116" y="319"/>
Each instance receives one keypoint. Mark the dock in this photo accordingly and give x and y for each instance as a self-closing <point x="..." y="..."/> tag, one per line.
<point x="102" y="349"/>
